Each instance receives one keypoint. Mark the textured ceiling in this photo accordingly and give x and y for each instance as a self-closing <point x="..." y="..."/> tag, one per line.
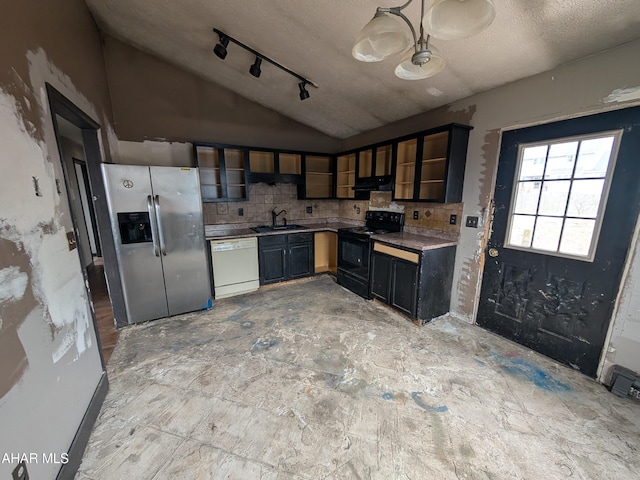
<point x="315" y="38"/>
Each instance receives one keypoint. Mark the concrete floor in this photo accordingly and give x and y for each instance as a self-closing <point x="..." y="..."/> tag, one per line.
<point x="308" y="381"/>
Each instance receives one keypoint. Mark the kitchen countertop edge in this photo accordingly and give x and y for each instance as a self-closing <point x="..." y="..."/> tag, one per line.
<point x="412" y="241"/>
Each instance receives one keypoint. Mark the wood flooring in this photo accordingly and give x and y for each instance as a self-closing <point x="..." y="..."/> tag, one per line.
<point x="103" y="311"/>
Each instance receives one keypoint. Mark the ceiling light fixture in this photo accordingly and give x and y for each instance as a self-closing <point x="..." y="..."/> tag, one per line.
<point x="385" y="35"/>
<point x="255" y="68"/>
<point x="304" y="94"/>
<point x="221" y="51"/>
<point x="221" y="48"/>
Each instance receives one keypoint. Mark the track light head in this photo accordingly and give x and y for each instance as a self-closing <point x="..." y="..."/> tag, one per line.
<point x="304" y="94"/>
<point x="221" y="48"/>
<point x="255" y="68"/>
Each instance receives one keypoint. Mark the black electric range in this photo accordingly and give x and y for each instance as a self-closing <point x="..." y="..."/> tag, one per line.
<point x="355" y="247"/>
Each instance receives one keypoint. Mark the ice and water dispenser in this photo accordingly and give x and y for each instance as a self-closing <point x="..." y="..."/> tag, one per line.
<point x="135" y="227"/>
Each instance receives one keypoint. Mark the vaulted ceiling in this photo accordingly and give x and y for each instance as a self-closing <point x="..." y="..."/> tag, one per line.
<point x="314" y="38"/>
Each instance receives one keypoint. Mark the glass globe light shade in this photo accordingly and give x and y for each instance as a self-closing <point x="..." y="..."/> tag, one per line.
<point x="408" y="71"/>
<point x="457" y="19"/>
<point x="384" y="35"/>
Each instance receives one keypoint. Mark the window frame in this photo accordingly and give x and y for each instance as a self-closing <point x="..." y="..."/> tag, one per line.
<point x="617" y="134"/>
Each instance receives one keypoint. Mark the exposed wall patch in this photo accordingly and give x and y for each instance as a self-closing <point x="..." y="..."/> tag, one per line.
<point x="620" y="95"/>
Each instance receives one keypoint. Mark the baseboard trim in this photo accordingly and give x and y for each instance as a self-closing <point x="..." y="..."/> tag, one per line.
<point x="79" y="444"/>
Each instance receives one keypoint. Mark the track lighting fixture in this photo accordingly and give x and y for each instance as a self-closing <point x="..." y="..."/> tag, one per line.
<point x="221" y="51"/>
<point x="221" y="48"/>
<point x="304" y="94"/>
<point x="385" y="34"/>
<point x="255" y="68"/>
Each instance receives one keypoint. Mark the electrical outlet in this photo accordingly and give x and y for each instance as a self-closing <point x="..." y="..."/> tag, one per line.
<point x="472" y="222"/>
<point x="309" y="209"/>
<point x="241" y="212"/>
<point x="416" y="215"/>
<point x="453" y="219"/>
<point x="20" y="472"/>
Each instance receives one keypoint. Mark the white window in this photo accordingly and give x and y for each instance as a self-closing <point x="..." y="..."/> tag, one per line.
<point x="559" y="195"/>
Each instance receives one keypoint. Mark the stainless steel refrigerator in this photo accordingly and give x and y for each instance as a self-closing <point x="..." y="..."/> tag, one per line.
<point x="156" y="217"/>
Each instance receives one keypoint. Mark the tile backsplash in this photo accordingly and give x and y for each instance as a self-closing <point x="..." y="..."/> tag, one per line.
<point x="264" y="198"/>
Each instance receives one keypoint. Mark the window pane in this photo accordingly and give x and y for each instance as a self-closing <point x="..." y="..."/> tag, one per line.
<point x="594" y="156"/>
<point x="521" y="230"/>
<point x="547" y="235"/>
<point x="554" y="198"/>
<point x="527" y="197"/>
<point x="576" y="237"/>
<point x="532" y="166"/>
<point x="562" y="156"/>
<point x="585" y="198"/>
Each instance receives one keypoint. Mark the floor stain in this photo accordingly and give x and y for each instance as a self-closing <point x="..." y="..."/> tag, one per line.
<point x="418" y="401"/>
<point x="265" y="344"/>
<point x="521" y="368"/>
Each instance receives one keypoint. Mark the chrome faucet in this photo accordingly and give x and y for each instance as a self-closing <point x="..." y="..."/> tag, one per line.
<point x="274" y="217"/>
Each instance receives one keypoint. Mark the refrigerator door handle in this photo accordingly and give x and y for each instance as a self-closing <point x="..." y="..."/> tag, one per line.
<point x="154" y="230"/>
<point x="163" y="246"/>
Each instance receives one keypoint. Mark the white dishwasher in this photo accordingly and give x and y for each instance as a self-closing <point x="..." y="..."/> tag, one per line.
<point x="235" y="266"/>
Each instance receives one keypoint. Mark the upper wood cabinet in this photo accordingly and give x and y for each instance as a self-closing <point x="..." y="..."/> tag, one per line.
<point x="274" y="166"/>
<point x="430" y="166"/>
<point x="346" y="176"/>
<point x="223" y="172"/>
<point x="318" y="173"/>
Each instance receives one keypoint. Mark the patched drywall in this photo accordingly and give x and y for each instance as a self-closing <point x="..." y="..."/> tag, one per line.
<point x="624" y="336"/>
<point x="48" y="348"/>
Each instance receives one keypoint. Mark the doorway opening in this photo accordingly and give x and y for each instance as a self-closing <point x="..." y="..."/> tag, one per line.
<point x="78" y="146"/>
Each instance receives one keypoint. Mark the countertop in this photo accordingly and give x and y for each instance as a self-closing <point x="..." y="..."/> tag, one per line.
<point x="414" y="241"/>
<point x="218" y="232"/>
<point x="408" y="240"/>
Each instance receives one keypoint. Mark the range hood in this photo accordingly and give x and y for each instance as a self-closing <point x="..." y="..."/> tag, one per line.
<point x="379" y="183"/>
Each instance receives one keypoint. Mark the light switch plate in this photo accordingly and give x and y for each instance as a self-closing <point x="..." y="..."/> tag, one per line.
<point x="453" y="219"/>
<point x="71" y="241"/>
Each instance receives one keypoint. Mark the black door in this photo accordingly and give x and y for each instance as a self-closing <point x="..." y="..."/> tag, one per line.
<point x="548" y="283"/>
<point x="301" y="261"/>
<point x="380" y="276"/>
<point x="272" y="259"/>
<point x="404" y="283"/>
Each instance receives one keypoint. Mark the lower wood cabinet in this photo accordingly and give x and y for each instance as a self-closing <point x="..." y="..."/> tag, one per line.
<point x="285" y="257"/>
<point x="417" y="283"/>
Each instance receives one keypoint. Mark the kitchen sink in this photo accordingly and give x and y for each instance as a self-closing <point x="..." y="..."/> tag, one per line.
<point x="268" y="228"/>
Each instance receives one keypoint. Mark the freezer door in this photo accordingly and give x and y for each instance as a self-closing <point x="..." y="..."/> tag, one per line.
<point x="178" y="207"/>
<point x="130" y="203"/>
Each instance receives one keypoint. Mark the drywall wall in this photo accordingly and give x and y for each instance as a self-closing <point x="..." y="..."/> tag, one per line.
<point x="50" y="364"/>
<point x="163" y="154"/>
<point x="601" y="82"/>
<point x="154" y="100"/>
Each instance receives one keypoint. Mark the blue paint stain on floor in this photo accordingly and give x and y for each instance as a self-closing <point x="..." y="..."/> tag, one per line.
<point x="264" y="344"/>
<point x="418" y="401"/>
<point x="387" y="395"/>
<point x="520" y="368"/>
<point x="480" y="362"/>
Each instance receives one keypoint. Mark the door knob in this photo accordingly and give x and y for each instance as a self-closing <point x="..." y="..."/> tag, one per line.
<point x="493" y="252"/>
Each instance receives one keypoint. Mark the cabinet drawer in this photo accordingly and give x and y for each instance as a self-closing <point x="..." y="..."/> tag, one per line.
<point x="397" y="252"/>
<point x="300" y="237"/>
<point x="272" y="240"/>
